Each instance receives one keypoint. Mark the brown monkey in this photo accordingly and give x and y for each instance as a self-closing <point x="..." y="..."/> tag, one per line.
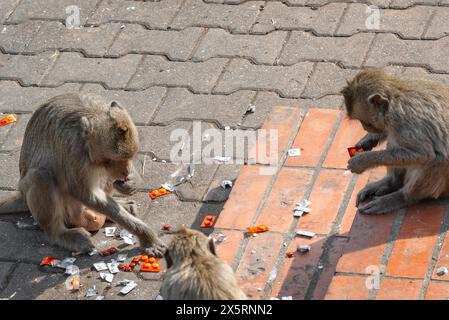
<point x="413" y="117"/>
<point x="75" y="152"/>
<point x="195" y="272"/>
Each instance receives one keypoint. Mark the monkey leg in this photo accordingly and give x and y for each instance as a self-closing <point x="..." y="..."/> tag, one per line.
<point x="46" y="205"/>
<point x="387" y="203"/>
<point x="392" y="182"/>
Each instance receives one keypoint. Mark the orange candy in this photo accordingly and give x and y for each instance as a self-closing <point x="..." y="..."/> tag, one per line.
<point x="257" y="229"/>
<point x="353" y="151"/>
<point x="159" y="192"/>
<point x="150" y="267"/>
<point x="166" y="227"/>
<point x="289" y="254"/>
<point x="7" y="120"/>
<point x="208" y="221"/>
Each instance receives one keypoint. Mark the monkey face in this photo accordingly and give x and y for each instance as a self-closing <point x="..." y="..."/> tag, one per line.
<point x="118" y="169"/>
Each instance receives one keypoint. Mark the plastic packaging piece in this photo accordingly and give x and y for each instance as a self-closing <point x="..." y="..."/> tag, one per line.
<point x="208" y="222"/>
<point x="294" y="152"/>
<point x="304" y="233"/>
<point x="128" y="288"/>
<point x="226" y="184"/>
<point x="304" y="248"/>
<point x="47" y="261"/>
<point x="257" y="229"/>
<point x="108" y="252"/>
<point x="158" y="193"/>
<point x="100" y="266"/>
<point x="150" y="267"/>
<point x="7" y="120"/>
<point x="353" y="151"/>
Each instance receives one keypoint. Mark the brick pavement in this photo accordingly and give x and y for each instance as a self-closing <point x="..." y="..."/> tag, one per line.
<point x="174" y="62"/>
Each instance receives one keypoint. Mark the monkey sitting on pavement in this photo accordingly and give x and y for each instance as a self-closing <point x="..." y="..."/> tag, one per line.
<point x="194" y="272"/>
<point x="76" y="151"/>
<point x="413" y="117"/>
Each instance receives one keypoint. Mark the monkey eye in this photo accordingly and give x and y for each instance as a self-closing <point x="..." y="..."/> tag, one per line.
<point x="122" y="130"/>
<point x="107" y="162"/>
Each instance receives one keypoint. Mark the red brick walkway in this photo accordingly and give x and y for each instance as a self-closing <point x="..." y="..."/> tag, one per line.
<point x="407" y="246"/>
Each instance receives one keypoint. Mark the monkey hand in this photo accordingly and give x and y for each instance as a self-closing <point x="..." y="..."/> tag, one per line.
<point x="368" y="142"/>
<point x="128" y="187"/>
<point x="358" y="163"/>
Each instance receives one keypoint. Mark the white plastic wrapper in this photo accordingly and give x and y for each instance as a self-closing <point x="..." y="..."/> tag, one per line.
<point x="100" y="266"/>
<point x="110" y="231"/>
<point x="294" y="152"/>
<point x="304" y="233"/>
<point x="113" y="267"/>
<point x="91" y="292"/>
<point x="128" y="288"/>
<point x="107" y="277"/>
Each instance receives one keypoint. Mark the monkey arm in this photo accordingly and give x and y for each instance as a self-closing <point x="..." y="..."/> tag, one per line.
<point x="370" y="140"/>
<point x="397" y="157"/>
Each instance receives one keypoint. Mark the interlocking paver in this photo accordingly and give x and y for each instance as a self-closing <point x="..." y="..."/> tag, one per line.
<point x="437" y="27"/>
<point x="278" y="16"/>
<point x="347" y="288"/>
<point x="73" y="67"/>
<point x="6" y="8"/>
<point x="177" y="45"/>
<point x="304" y="46"/>
<point x="199" y="77"/>
<point x="15" y="38"/>
<point x="288" y="81"/>
<point x="409" y="23"/>
<point x="261" y="49"/>
<point x="392" y="289"/>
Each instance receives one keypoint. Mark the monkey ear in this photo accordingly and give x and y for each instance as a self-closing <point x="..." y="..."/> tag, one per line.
<point x="114" y="104"/>
<point x="379" y="101"/>
<point x="212" y="246"/>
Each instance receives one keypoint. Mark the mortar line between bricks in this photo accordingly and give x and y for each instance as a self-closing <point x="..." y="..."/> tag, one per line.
<point x="9" y="275"/>
<point x="158" y="107"/>
<point x="244" y="242"/>
<point x="394" y="233"/>
<point x="49" y="69"/>
<point x="139" y="65"/>
<point x="365" y="275"/>
<point x="429" y="22"/>
<point x="340" y="21"/>
<point x="181" y="6"/>
<point x="290" y="234"/>
<point x="256" y="18"/>
<point x="284" y="44"/>
<point x="435" y="254"/>
<point x="368" y="50"/>
<point x="330" y="239"/>
<point x="197" y="44"/>
<point x="13" y="10"/>
<point x="220" y="76"/>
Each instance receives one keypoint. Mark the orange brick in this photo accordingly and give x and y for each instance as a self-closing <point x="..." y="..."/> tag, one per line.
<point x="367" y="242"/>
<point x="348" y="134"/>
<point x="254" y="268"/>
<point x="351" y="210"/>
<point x="244" y="199"/>
<point x="288" y="189"/>
<point x="228" y="248"/>
<point x="399" y="289"/>
<point x="296" y="273"/>
<point x="437" y="291"/>
<point x="326" y="197"/>
<point x="284" y="120"/>
<point x="329" y="267"/>
<point x="413" y="249"/>
<point x="347" y="288"/>
<point x="443" y="259"/>
<point x="313" y="136"/>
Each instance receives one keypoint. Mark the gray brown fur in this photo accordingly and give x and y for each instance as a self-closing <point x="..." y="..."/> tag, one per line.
<point x="195" y="272"/>
<point x="76" y="151"/>
<point x="413" y="117"/>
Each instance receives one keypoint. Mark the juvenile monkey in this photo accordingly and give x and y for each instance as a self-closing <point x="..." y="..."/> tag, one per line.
<point x="413" y="117"/>
<point x="76" y="151"/>
<point x="195" y="272"/>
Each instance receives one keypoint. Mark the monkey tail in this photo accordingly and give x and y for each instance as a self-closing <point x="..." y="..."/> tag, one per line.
<point x="13" y="204"/>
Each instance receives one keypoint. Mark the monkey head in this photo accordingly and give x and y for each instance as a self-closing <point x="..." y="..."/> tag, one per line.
<point x="115" y="139"/>
<point x="367" y="98"/>
<point x="188" y="244"/>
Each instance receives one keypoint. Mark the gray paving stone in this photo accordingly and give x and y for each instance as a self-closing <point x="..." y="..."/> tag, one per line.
<point x="319" y="3"/>
<point x="157" y="14"/>
<point x="9" y="168"/>
<point x="287" y="81"/>
<point x="438" y="26"/>
<point x="401" y="4"/>
<point x="237" y="19"/>
<point x="181" y="104"/>
<point x="388" y="49"/>
<point x="13" y="140"/>
<point x="140" y="104"/>
<point x="409" y="23"/>
<point x="5" y="270"/>
<point x="15" y="38"/>
<point x="72" y="67"/>
<point x="145" y="290"/>
<point x="177" y="45"/>
<point x="157" y="139"/>
<point x="27" y="99"/>
<point x="278" y="16"/>
<point x="225" y="172"/>
<point x="420" y="73"/>
<point x="258" y="48"/>
<point x="6" y="8"/>
<point x="51" y="10"/>
<point x="198" y="76"/>
<point x="29" y="70"/>
<point x="303" y="46"/>
<point x="92" y="41"/>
